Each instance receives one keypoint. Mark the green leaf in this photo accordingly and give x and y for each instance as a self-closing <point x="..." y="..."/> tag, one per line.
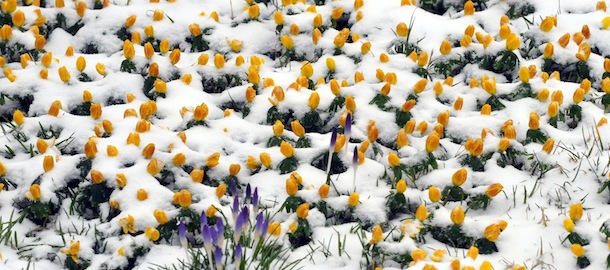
<point x="380" y="101"/>
<point x="288" y="165"/>
<point x="495" y="103"/>
<point x="583" y="262"/>
<point x="535" y="136"/>
<point x="128" y="66"/>
<point x="402" y="117"/>
<point x="485" y="246"/>
<point x="303" y="142"/>
<point x="452" y="236"/>
<point x="83" y="77"/>
<point x="453" y="194"/>
<point x="575" y="238"/>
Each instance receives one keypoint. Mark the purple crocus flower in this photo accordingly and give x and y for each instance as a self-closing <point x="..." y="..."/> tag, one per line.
<point x="220" y="229"/>
<point x="237" y="255"/>
<point x="245" y="216"/>
<point x="255" y="200"/>
<point x="355" y="164"/>
<point x="220" y="225"/>
<point x="331" y="148"/>
<point x="214" y="235"/>
<point x="207" y="237"/>
<point x="233" y="188"/>
<point x="235" y="208"/>
<point x="348" y="129"/>
<point x="203" y="220"/>
<point x="264" y="227"/>
<point x="258" y="227"/>
<point x="248" y="192"/>
<point x="333" y="138"/>
<point x="182" y="234"/>
<point x="218" y="258"/>
<point x="239" y="226"/>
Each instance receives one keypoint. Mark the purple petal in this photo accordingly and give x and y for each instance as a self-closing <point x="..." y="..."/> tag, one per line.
<point x="182" y="234"/>
<point x="238" y="251"/>
<point x="355" y="158"/>
<point x="333" y="138"/>
<point x="348" y="125"/>
<point x="264" y="227"/>
<point x="205" y="233"/>
<point x="248" y="191"/>
<point x="182" y="229"/>
<point x="233" y="188"/>
<point x="203" y="220"/>
<point x="259" y="221"/>
<point x="220" y="225"/>
<point x="255" y="198"/>
<point x="235" y="208"/>
<point x="218" y="256"/>
<point x="214" y="235"/>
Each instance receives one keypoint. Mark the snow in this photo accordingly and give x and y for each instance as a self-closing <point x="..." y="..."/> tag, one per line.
<point x="534" y="208"/>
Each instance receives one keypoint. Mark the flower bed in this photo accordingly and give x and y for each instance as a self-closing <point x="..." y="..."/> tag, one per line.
<point x="287" y="134"/>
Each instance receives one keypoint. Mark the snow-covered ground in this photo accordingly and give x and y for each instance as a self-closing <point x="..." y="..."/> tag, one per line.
<point x="219" y="94"/>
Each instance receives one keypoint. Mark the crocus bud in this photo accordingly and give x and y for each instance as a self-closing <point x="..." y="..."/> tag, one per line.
<point x="112" y="151"/>
<point x="90" y="149"/>
<point x="422" y="213"/>
<point x="160" y="216"/>
<point x="101" y="69"/>
<point x="553" y="109"/>
<point x="212" y="160"/>
<point x="18" y="117"/>
<point x="292" y="187"/>
<point x="547" y="24"/>
<point x="377" y="235"/>
<point x="457" y="215"/>
<point x="133" y="138"/>
<point x="432" y="142"/>
<point x="324" y="190"/>
<point x="265" y="159"/>
<point x="548" y="145"/>
<point x="48" y="163"/>
<point x="81" y="7"/>
<point x="96" y="177"/>
<point x="201" y="112"/>
<point x="579" y="95"/>
<point x="128" y="50"/>
<point x="174" y="56"/>
<point x="219" y="61"/>
<point x="493" y="190"/>
<point x="445" y="48"/>
<point x="512" y="42"/>
<point x="64" y="75"/>
<point x="564" y="40"/>
<point x="576" y="211"/>
<point x="393" y="159"/>
<point x="469" y="8"/>
<point x="303" y="211"/>
<point x="568" y="224"/>
<point x="297" y="128"/>
<point x="420" y="86"/>
<point x="353" y="199"/>
<point x="278" y="17"/>
<point x="577" y="250"/>
<point x="34" y="193"/>
<point x="434" y="194"/>
<point x="459" y="177"/>
<point x="18" y="18"/>
<point x="6" y="32"/>
<point x="286" y="149"/>
<point x="130" y="21"/>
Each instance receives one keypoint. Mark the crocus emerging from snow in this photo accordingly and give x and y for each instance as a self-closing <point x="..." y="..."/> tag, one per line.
<point x="182" y="234"/>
